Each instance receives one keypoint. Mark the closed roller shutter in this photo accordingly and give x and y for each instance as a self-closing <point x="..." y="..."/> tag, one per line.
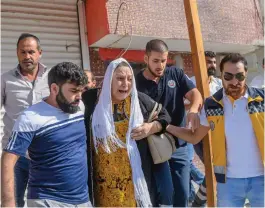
<point x="54" y="22"/>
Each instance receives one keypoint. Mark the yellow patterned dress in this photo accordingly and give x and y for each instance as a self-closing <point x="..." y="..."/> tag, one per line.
<point x="113" y="186"/>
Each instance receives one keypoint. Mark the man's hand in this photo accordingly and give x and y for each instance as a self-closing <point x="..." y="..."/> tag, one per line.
<point x="142" y="131"/>
<point x="195" y="98"/>
<point x="193" y="120"/>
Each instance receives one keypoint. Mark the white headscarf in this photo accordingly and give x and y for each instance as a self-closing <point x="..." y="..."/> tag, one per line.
<point x="104" y="134"/>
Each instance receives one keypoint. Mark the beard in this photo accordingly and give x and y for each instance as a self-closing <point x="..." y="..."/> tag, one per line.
<point x="28" y="65"/>
<point x="211" y="71"/>
<point x="235" y="91"/>
<point x="66" y="106"/>
<point x="153" y="73"/>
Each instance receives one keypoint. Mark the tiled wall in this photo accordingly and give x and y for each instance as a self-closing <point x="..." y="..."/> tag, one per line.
<point x="222" y="21"/>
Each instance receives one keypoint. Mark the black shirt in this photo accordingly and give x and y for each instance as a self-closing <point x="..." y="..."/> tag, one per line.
<point x="169" y="91"/>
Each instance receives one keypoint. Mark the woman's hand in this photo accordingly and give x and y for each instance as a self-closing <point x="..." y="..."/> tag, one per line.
<point x="145" y="130"/>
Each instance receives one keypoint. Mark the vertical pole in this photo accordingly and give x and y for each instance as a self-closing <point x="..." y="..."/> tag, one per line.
<point x="199" y="67"/>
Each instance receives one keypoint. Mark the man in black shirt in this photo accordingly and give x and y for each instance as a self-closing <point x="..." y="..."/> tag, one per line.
<point x="168" y="86"/>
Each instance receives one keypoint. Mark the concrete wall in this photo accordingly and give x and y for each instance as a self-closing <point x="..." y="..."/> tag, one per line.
<point x="254" y="60"/>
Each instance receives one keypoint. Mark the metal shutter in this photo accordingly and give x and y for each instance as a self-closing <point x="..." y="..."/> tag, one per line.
<point x="54" y="22"/>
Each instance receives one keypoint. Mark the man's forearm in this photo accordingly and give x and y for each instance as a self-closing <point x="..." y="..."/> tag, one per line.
<point x="7" y="181"/>
<point x="183" y="133"/>
<point x="196" y="101"/>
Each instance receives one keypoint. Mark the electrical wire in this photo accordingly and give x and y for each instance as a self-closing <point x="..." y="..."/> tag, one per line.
<point x="123" y="3"/>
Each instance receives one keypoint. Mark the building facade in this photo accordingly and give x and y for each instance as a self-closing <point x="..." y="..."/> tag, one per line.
<point x="91" y="33"/>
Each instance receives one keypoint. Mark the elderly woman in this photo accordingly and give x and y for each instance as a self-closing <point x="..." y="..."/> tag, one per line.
<point x="123" y="170"/>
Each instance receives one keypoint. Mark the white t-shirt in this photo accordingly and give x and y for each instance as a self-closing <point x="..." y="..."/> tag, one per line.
<point x="214" y="86"/>
<point x="258" y="81"/>
<point x="242" y="152"/>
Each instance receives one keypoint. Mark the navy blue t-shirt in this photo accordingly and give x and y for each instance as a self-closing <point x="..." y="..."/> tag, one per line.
<point x="169" y="91"/>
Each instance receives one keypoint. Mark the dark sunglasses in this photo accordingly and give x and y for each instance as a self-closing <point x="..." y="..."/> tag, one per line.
<point x="239" y="76"/>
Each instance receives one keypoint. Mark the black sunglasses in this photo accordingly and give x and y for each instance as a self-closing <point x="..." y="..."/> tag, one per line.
<point x="239" y="76"/>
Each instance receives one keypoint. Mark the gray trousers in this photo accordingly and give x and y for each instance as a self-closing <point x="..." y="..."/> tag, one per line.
<point x="52" y="203"/>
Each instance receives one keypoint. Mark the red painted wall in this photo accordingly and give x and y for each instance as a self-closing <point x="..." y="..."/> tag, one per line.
<point x="130" y="55"/>
<point x="96" y="20"/>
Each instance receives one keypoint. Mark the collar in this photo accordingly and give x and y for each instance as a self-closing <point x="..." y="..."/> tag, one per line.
<point x="41" y="70"/>
<point x="251" y="94"/>
<point x="214" y="79"/>
<point x="246" y="95"/>
<point x="225" y="96"/>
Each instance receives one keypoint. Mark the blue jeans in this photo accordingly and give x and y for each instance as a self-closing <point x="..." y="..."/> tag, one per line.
<point x="164" y="185"/>
<point x="235" y="191"/>
<point x="21" y="180"/>
<point x="195" y="173"/>
<point x="180" y="172"/>
<point x="190" y="151"/>
<point x="197" y="177"/>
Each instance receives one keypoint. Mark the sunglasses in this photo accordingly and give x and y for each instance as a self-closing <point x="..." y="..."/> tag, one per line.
<point x="239" y="76"/>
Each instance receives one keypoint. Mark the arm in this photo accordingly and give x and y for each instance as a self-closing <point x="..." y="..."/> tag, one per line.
<point x="163" y="119"/>
<point x="191" y="93"/>
<point x="195" y="98"/>
<point x="7" y="179"/>
<point x="192" y="136"/>
<point x="146" y="129"/>
<point x="159" y="122"/>
<point x="187" y="134"/>
<point x="19" y="141"/>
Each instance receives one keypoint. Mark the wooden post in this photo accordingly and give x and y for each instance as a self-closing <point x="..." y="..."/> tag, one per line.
<point x="199" y="67"/>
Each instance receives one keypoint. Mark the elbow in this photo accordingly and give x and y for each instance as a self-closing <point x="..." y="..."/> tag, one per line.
<point x="196" y="139"/>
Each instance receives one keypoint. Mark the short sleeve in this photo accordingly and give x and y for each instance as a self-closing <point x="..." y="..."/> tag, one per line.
<point x="21" y="137"/>
<point x="203" y="118"/>
<point x="184" y="81"/>
<point x="193" y="80"/>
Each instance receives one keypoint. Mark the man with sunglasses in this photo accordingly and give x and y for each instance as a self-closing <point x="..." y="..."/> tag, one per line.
<point x="235" y="116"/>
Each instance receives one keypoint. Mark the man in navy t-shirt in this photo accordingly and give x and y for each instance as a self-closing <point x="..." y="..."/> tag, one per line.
<point x="52" y="134"/>
<point x="168" y="86"/>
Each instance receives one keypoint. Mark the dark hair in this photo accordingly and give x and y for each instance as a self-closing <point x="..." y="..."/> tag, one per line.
<point x="92" y="75"/>
<point x="157" y="46"/>
<point x="67" y="72"/>
<point x="234" y="58"/>
<point x="210" y="54"/>
<point x="28" y="35"/>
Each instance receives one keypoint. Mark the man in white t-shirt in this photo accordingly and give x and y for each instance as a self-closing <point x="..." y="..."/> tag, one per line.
<point x="215" y="83"/>
<point x="235" y="116"/>
<point x="258" y="81"/>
